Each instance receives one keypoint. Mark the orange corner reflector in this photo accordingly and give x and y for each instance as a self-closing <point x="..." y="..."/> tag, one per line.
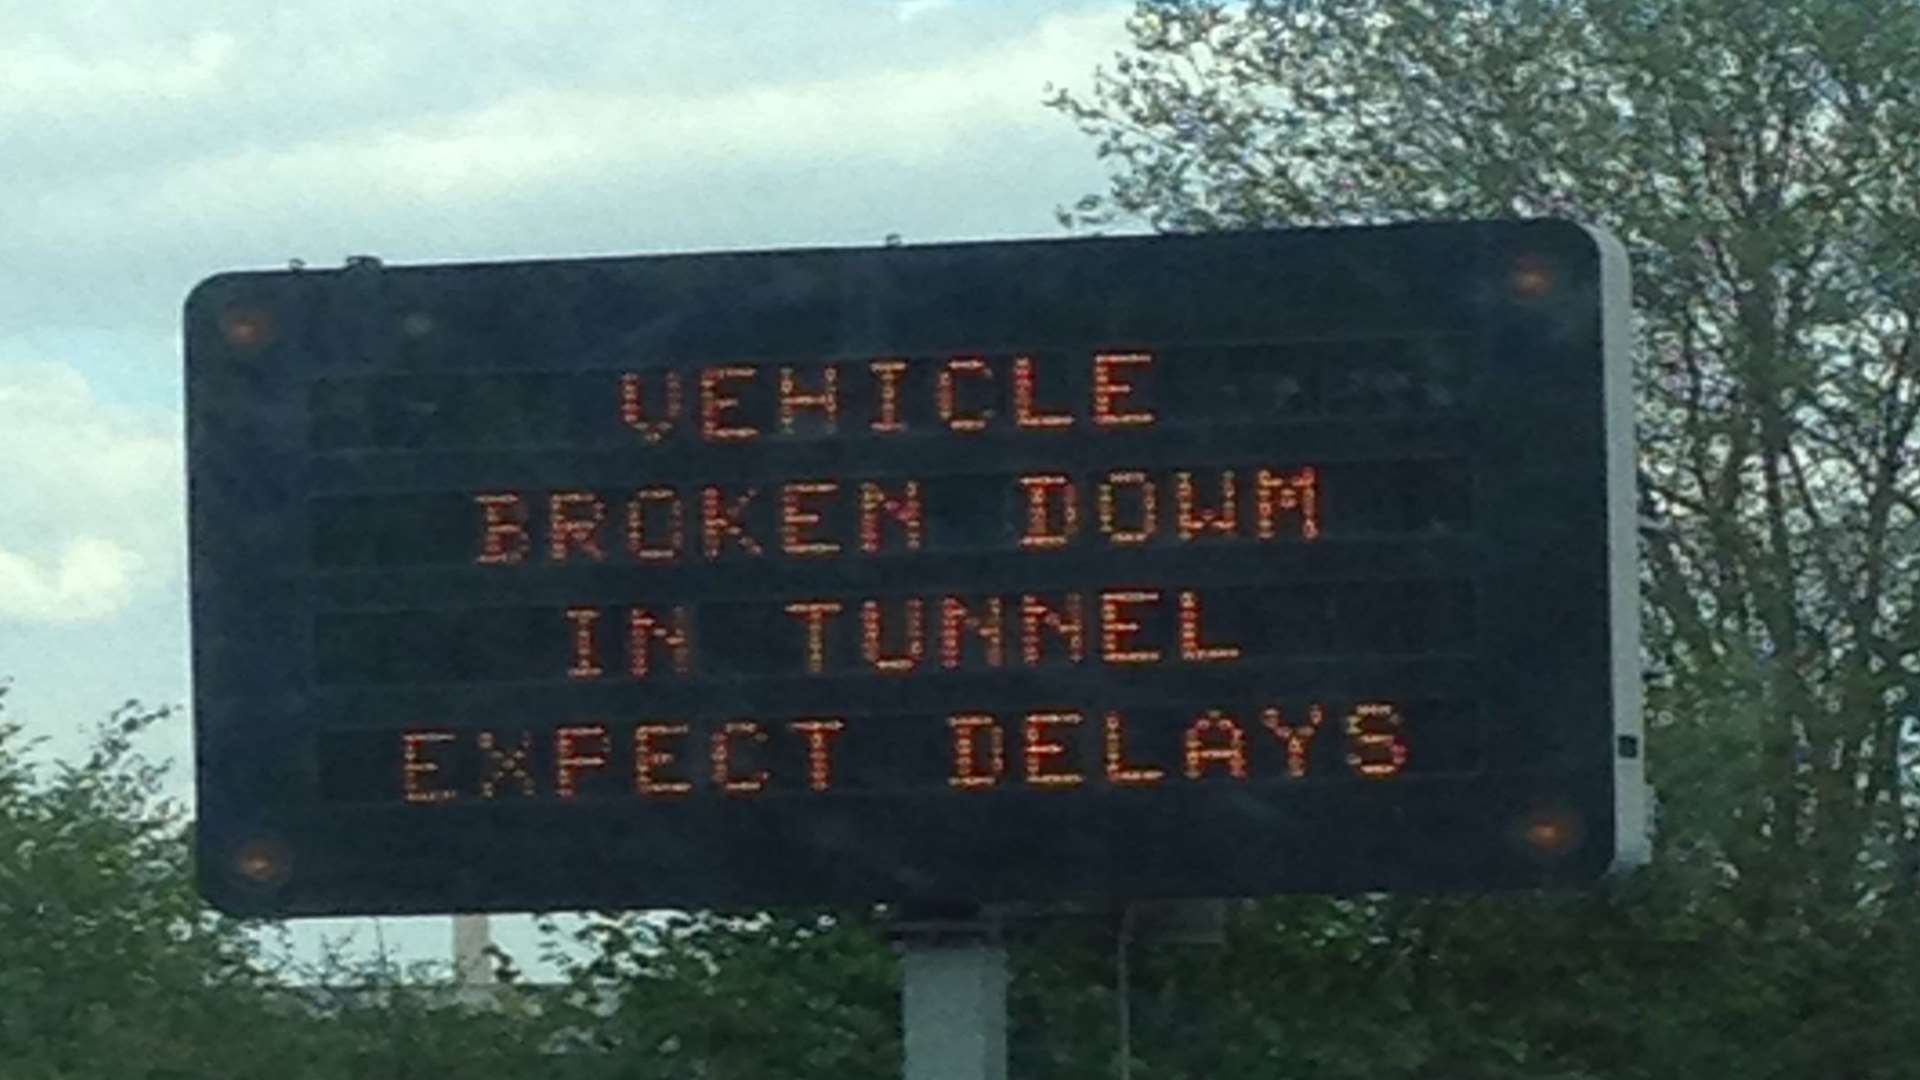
<point x="246" y="328"/>
<point x="1552" y="833"/>
<point x="1532" y="277"/>
<point x="263" y="862"/>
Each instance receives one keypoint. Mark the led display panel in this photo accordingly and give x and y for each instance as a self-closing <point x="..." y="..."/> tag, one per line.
<point x="1212" y="565"/>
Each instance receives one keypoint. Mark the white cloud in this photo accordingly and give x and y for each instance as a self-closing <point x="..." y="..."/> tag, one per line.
<point x="568" y="127"/>
<point x="909" y="10"/>
<point x="92" y="493"/>
<point x="92" y="578"/>
<point x="581" y="139"/>
<point x="36" y="74"/>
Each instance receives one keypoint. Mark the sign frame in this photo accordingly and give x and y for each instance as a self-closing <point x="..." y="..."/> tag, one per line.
<point x="1558" y="799"/>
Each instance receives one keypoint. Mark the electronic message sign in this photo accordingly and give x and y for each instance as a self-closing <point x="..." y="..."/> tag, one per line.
<point x="1140" y="567"/>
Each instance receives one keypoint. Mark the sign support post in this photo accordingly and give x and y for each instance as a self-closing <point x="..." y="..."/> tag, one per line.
<point x="953" y="996"/>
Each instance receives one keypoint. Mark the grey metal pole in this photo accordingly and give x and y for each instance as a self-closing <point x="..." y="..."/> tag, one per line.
<point x="472" y="935"/>
<point x="953" y="1000"/>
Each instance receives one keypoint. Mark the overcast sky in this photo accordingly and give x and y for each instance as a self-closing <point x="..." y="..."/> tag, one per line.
<point x="145" y="144"/>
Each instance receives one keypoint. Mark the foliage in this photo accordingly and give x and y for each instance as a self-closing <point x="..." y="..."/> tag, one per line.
<point x="111" y="966"/>
<point x="102" y="943"/>
<point x="766" y="996"/>
<point x="1758" y="160"/>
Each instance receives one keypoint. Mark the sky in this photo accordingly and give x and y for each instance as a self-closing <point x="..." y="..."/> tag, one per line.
<point x="145" y="144"/>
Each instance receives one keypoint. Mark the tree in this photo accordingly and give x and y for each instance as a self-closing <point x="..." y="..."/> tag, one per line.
<point x="1760" y="163"/>
<point x="104" y="949"/>
<point x="766" y="996"/>
<point x="112" y="966"/>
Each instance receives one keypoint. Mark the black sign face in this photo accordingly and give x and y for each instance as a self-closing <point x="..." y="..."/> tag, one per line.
<point x="1190" y="566"/>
